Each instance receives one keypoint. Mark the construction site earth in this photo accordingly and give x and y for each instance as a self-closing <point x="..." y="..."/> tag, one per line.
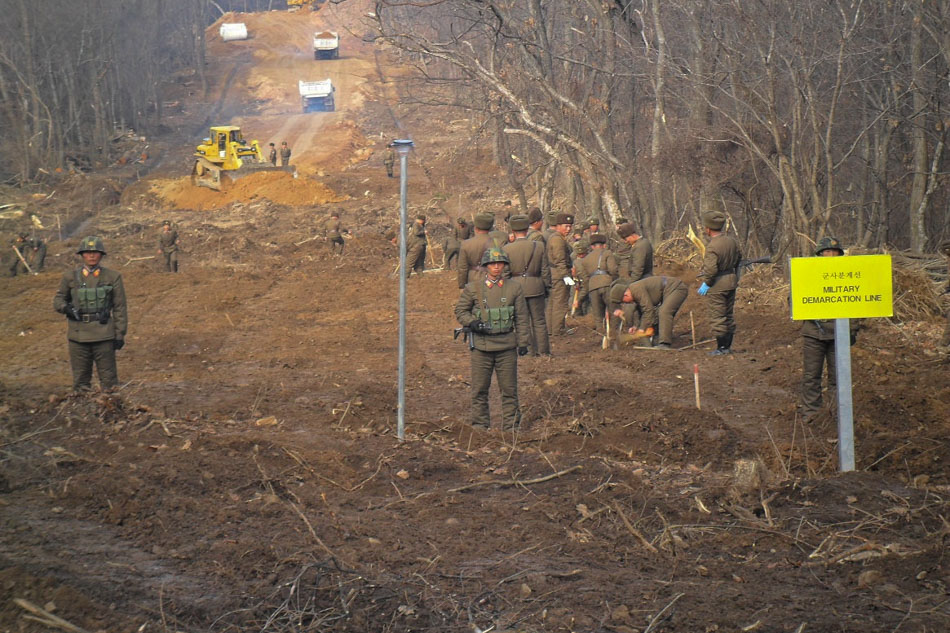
<point x="247" y="475"/>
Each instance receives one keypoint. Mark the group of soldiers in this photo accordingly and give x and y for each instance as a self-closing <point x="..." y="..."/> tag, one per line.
<point x="517" y="288"/>
<point x="284" y="154"/>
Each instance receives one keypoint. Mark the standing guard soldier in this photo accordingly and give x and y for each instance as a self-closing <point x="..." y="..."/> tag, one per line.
<point x="818" y="345"/>
<point x="529" y="265"/>
<point x="450" y="248"/>
<point x="333" y="230"/>
<point x="719" y="277"/>
<point x="595" y="272"/>
<point x="416" y="246"/>
<point x="168" y="246"/>
<point x="272" y="155"/>
<point x="473" y="249"/>
<point x="640" y="260"/>
<point x="389" y="160"/>
<point x="559" y="260"/>
<point x="284" y="154"/>
<point x="495" y="312"/>
<point x="656" y="299"/>
<point x="93" y="300"/>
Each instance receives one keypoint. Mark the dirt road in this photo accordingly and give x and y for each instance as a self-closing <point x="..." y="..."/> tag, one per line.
<point x="246" y="476"/>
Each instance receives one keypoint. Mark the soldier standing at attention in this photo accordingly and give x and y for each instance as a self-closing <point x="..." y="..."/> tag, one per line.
<point x="168" y="246"/>
<point x="595" y="272"/>
<point x="473" y="249"/>
<point x="450" y="249"/>
<point x="93" y="300"/>
<point x="559" y="260"/>
<point x="495" y="311"/>
<point x="272" y="155"/>
<point x="529" y="265"/>
<point x="284" y="154"/>
<point x="640" y="259"/>
<point x="657" y="299"/>
<point x="416" y="246"/>
<point x="818" y="345"/>
<point x="333" y="231"/>
<point x="720" y="280"/>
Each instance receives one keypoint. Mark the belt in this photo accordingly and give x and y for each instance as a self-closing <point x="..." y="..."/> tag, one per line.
<point x="89" y="318"/>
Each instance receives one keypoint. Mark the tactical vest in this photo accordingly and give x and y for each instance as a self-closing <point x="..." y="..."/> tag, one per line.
<point x="96" y="300"/>
<point x="501" y="320"/>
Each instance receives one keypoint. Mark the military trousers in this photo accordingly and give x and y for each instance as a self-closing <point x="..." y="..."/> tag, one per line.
<point x="721" y="307"/>
<point x="448" y="256"/>
<point x="816" y="354"/>
<point x="558" y="306"/>
<point x="598" y="304"/>
<point x="537" y="325"/>
<point x="504" y="365"/>
<point x="673" y="297"/>
<point x="171" y="262"/>
<point x="336" y="241"/>
<point x="82" y="356"/>
<point x="416" y="259"/>
<point x="38" y="258"/>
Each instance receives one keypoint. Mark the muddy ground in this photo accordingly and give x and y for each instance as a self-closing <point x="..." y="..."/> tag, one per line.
<point x="247" y="477"/>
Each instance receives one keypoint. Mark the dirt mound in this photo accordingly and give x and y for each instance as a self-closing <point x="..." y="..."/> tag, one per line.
<point x="278" y="187"/>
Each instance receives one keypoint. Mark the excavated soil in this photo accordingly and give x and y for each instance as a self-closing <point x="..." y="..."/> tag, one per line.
<point x="247" y="475"/>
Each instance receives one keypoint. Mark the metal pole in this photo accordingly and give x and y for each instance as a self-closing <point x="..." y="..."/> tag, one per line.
<point x="403" y="147"/>
<point x="845" y="405"/>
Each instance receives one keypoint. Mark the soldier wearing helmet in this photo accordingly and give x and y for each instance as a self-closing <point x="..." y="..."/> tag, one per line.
<point x="818" y="344"/>
<point x="168" y="246"/>
<point x="494" y="310"/>
<point x="93" y="300"/>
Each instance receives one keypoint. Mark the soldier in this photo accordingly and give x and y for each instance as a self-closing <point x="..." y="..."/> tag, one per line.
<point x="284" y="154"/>
<point x="656" y="300"/>
<point x="559" y="260"/>
<point x="595" y="272"/>
<point x="37" y="251"/>
<point x="416" y="246"/>
<point x="496" y="313"/>
<point x="535" y="221"/>
<point x="818" y="345"/>
<point x="945" y="340"/>
<point x="168" y="246"/>
<point x="593" y="226"/>
<point x="93" y="300"/>
<point x="389" y="160"/>
<point x="21" y="246"/>
<point x="333" y="230"/>
<point x="529" y="265"/>
<point x="450" y="248"/>
<point x="473" y="249"/>
<point x="719" y="280"/>
<point x="639" y="262"/>
<point x="272" y="155"/>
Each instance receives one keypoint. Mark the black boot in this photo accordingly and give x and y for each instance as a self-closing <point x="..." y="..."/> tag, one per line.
<point x="723" y="345"/>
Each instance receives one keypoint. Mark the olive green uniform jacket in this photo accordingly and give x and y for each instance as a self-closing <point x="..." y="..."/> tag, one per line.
<point x="595" y="271"/>
<point x="510" y="294"/>
<point x="640" y="262"/>
<point x="93" y="331"/>
<point x="470" y="258"/>
<point x="528" y="263"/>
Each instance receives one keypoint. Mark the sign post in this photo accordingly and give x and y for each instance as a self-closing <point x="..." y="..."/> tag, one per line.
<point x="402" y="147"/>
<point x="842" y="288"/>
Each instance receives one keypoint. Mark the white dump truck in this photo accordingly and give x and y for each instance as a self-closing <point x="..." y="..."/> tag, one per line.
<point x="231" y="31"/>
<point x="326" y="45"/>
<point x="317" y="96"/>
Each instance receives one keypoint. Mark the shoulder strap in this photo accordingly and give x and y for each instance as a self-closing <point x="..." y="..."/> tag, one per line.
<point x="534" y="249"/>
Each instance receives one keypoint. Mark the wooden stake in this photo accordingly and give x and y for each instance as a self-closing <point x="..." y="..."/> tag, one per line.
<point x="696" y="384"/>
<point x="692" y="327"/>
<point x="18" y="254"/>
<point x="605" y="344"/>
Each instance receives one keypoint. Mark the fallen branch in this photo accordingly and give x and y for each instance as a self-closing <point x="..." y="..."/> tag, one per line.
<point x="139" y="259"/>
<point x="636" y="533"/>
<point x="45" y="617"/>
<point x="517" y="482"/>
<point x="309" y="239"/>
<point x="655" y="620"/>
<point x="708" y="340"/>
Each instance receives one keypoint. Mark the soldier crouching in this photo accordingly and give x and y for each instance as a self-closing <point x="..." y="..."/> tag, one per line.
<point x="93" y="300"/>
<point x="493" y="309"/>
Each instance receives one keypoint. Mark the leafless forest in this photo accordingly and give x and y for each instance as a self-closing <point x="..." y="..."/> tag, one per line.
<point x="799" y="118"/>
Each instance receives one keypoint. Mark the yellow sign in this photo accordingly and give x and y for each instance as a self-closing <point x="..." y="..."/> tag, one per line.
<point x="842" y="287"/>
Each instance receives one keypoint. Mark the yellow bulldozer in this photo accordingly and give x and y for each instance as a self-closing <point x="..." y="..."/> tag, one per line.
<point x="226" y="156"/>
<point x="296" y="5"/>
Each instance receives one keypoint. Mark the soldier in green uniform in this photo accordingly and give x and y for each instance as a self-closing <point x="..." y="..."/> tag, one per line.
<point x="168" y="246"/>
<point x="639" y="262"/>
<point x="945" y="249"/>
<point x="559" y="260"/>
<point x="389" y="160"/>
<point x="535" y="222"/>
<point x="473" y="249"/>
<point x="21" y="246"/>
<point x="37" y="250"/>
<point x="93" y="300"/>
<point x="416" y="246"/>
<point x="333" y="231"/>
<point x="495" y="311"/>
<point x="719" y="280"/>
<point x="656" y="300"/>
<point x="450" y="248"/>
<point x="528" y="264"/>
<point x="818" y="344"/>
<point x="595" y="272"/>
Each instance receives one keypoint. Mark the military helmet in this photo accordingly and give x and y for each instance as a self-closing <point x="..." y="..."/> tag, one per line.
<point x="166" y="222"/>
<point x="827" y="244"/>
<point x="91" y="243"/>
<point x="493" y="255"/>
